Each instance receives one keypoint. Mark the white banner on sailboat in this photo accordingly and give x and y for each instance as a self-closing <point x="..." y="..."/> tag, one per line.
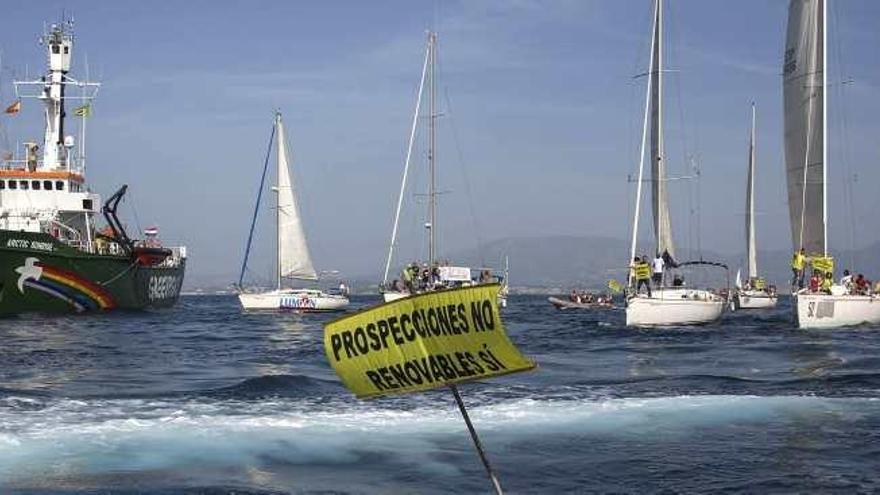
<point x="455" y="273"/>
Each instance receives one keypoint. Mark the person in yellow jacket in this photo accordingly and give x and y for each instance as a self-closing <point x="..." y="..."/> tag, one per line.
<point x="641" y="274"/>
<point x="798" y="260"/>
<point x="827" y="282"/>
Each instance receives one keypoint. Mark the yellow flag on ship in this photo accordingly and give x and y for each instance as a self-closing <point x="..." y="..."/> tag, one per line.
<point x="83" y="111"/>
<point x="422" y="342"/>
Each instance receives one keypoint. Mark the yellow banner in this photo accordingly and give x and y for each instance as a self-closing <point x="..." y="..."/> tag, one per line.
<point x="824" y="264"/>
<point x="423" y="342"/>
<point x="614" y="286"/>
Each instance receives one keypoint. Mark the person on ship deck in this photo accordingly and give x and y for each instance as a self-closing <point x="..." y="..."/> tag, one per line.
<point x="798" y="260"/>
<point x="815" y="281"/>
<point x="642" y="274"/>
<point x="657" y="270"/>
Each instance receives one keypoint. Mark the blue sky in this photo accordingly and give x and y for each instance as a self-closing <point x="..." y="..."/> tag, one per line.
<point x="541" y="97"/>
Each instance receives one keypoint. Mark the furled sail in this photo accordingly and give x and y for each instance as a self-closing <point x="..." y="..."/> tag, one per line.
<point x="662" y="224"/>
<point x="803" y="91"/>
<point x="293" y="252"/>
<point x="751" y="253"/>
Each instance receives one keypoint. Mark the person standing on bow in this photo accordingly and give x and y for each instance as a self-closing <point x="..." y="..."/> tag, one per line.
<point x="642" y="274"/>
<point x="657" y="270"/>
<point x="798" y="259"/>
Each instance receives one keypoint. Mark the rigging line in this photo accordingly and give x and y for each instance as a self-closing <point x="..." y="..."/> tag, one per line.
<point x="691" y="165"/>
<point x="131" y="205"/>
<point x="118" y="275"/>
<point x="247" y="249"/>
<point x="409" y="149"/>
<point x="633" y="138"/>
<point x="635" y="227"/>
<point x="809" y="137"/>
<point x="844" y="141"/>
<point x="467" y="187"/>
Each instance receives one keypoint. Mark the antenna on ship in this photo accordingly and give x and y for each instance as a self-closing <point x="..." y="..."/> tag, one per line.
<point x="51" y="89"/>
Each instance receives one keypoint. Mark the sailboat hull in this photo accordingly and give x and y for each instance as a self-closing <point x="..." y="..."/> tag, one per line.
<point x="293" y="300"/>
<point x="673" y="307"/>
<point x="389" y="296"/>
<point x="833" y="311"/>
<point x="748" y="299"/>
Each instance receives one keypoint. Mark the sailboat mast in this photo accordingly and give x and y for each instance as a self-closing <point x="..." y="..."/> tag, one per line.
<point x="658" y="158"/>
<point x="409" y="149"/>
<point x="278" y="199"/>
<point x="750" y="205"/>
<point x="432" y="154"/>
<point x="659" y="179"/>
<point x="635" y="229"/>
<point x="823" y="9"/>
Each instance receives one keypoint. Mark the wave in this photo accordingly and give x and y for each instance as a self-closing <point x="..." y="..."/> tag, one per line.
<point x="74" y="439"/>
<point x="275" y="386"/>
<point x="260" y="387"/>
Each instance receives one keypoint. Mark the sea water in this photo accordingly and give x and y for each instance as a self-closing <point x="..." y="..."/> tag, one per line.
<point x="205" y="398"/>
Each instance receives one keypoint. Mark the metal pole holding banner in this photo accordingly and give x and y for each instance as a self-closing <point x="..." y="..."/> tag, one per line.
<point x="467" y="419"/>
<point x="475" y="348"/>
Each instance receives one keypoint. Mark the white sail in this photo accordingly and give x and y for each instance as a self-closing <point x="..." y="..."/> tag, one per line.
<point x="803" y="91"/>
<point x="751" y="252"/>
<point x="662" y="223"/>
<point x="293" y="252"/>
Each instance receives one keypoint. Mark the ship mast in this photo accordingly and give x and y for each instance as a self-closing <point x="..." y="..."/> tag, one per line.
<point x="51" y="89"/>
<point x="432" y="153"/>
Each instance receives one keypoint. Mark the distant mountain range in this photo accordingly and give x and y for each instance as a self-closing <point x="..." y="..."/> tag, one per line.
<point x="589" y="262"/>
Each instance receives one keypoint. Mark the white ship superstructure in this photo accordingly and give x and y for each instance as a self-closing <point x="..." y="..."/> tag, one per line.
<point x="42" y="186"/>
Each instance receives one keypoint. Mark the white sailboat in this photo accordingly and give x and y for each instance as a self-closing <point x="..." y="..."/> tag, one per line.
<point x="666" y="306"/>
<point x="293" y="258"/>
<point x="430" y="275"/>
<point x="754" y="293"/>
<point x="805" y="80"/>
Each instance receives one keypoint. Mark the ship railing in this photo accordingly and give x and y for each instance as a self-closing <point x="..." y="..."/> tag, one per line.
<point x="21" y="164"/>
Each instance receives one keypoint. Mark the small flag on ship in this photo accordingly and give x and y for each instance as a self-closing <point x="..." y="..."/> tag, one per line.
<point x="151" y="231"/>
<point x="83" y="111"/>
<point x="14" y="108"/>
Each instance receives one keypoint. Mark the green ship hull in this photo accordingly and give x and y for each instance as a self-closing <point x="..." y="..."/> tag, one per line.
<point x="40" y="274"/>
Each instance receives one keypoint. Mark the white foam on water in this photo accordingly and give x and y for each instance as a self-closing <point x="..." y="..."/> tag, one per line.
<point x="86" y="438"/>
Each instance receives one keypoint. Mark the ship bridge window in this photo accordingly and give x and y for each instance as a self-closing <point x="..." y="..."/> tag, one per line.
<point x="23" y="185"/>
<point x="2" y="184"/>
<point x="47" y="185"/>
<point x="66" y="50"/>
<point x="13" y="184"/>
<point x="35" y="185"/>
<point x="55" y="49"/>
<point x="59" y="185"/>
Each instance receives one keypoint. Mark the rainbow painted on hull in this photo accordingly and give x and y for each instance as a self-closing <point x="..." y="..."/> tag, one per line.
<point x="78" y="292"/>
